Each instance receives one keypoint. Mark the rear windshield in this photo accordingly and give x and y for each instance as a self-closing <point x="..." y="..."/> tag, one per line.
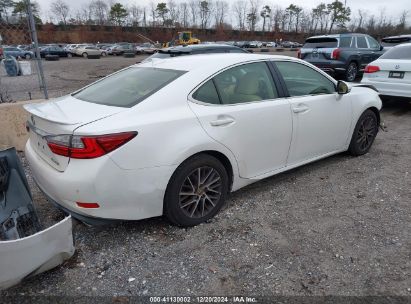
<point x="321" y="43"/>
<point x="128" y="87"/>
<point x="400" y="52"/>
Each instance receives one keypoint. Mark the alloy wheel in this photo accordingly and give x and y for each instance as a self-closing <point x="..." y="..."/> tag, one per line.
<point x="200" y="192"/>
<point x="366" y="133"/>
<point x="352" y="72"/>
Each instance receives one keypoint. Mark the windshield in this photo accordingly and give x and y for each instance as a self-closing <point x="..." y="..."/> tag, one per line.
<point x="128" y="87"/>
<point x="399" y="52"/>
<point x="321" y="43"/>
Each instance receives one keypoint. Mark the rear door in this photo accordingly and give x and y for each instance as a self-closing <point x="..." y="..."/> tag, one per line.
<point x="375" y="48"/>
<point x="241" y="108"/>
<point x="363" y="51"/>
<point x="321" y="117"/>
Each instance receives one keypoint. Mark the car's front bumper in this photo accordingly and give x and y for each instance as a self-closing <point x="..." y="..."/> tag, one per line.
<point x="121" y="194"/>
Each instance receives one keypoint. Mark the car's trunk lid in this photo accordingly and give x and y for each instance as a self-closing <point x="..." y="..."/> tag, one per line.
<point x="319" y="48"/>
<point x="392" y="70"/>
<point x="61" y="116"/>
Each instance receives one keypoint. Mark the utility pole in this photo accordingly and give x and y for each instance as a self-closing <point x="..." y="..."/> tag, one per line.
<point x="33" y="35"/>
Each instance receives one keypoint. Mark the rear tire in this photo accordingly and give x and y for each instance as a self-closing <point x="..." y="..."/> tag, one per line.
<point x="364" y="133"/>
<point x="351" y="72"/>
<point x="196" y="191"/>
<point x="27" y="56"/>
<point x="85" y="55"/>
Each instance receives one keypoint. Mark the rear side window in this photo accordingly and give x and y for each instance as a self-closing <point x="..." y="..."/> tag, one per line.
<point x="373" y="43"/>
<point x="302" y="80"/>
<point x="361" y="42"/>
<point x="128" y="87"/>
<point x="325" y="42"/>
<point x="246" y="83"/>
<point x="345" y="42"/>
<point x="207" y="93"/>
<point x="400" y="52"/>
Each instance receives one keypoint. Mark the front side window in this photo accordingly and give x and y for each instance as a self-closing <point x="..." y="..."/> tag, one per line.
<point x="361" y="42"/>
<point x="302" y="80"/>
<point x="246" y="83"/>
<point x="128" y="87"/>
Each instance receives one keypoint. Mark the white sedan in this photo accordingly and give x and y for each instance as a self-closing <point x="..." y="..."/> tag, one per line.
<point x="391" y="73"/>
<point x="174" y="137"/>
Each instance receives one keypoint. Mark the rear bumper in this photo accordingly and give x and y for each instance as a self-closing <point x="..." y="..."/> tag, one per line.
<point x="330" y="67"/>
<point x="121" y="194"/>
<point x="389" y="88"/>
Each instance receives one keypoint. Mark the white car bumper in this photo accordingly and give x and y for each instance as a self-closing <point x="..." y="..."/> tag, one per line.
<point x="120" y="194"/>
<point x="389" y="88"/>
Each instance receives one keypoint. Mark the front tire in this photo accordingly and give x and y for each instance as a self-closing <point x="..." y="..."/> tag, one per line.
<point x="352" y="71"/>
<point x="27" y="56"/>
<point x="85" y="55"/>
<point x="364" y="133"/>
<point x="196" y="191"/>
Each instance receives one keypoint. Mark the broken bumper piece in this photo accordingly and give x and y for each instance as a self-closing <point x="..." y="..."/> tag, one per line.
<point x="25" y="249"/>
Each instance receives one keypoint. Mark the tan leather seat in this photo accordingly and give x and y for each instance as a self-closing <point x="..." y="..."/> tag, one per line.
<point x="247" y="89"/>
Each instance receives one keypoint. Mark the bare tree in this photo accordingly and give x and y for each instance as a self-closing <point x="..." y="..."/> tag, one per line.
<point x="253" y="16"/>
<point x="205" y="10"/>
<point x="194" y="12"/>
<point x="60" y="9"/>
<point x="184" y="11"/>
<point x="99" y="9"/>
<point x="220" y="12"/>
<point x="136" y="13"/>
<point x="240" y="8"/>
<point x="173" y="11"/>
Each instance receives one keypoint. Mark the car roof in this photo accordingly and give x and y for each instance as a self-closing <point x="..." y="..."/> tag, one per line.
<point x="337" y="35"/>
<point x="214" y="61"/>
<point x="189" y="48"/>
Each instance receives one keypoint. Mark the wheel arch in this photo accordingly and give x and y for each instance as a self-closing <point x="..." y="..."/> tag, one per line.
<point x="225" y="161"/>
<point x="376" y="112"/>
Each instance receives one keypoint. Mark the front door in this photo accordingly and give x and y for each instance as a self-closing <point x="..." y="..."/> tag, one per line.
<point x="321" y="117"/>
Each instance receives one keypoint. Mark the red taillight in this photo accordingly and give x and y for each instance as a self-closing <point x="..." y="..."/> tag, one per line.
<point x="86" y="147"/>
<point x="88" y="205"/>
<point x="299" y="54"/>
<point x="371" y="69"/>
<point x="335" y="54"/>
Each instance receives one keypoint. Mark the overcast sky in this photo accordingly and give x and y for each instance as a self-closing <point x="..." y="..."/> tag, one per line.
<point x="391" y="8"/>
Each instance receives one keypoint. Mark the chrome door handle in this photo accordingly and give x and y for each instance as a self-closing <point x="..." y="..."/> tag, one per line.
<point x="222" y="122"/>
<point x="300" y="109"/>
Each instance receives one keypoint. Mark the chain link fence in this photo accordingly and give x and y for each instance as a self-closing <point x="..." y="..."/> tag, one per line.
<point x="21" y="71"/>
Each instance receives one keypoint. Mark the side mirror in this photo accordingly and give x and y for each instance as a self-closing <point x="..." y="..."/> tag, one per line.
<point x="381" y="47"/>
<point x="342" y="87"/>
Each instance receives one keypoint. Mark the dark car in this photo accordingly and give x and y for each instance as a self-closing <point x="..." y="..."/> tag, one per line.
<point x="195" y="49"/>
<point x="121" y="48"/>
<point x="54" y="50"/>
<point x="17" y="53"/>
<point x="342" y="55"/>
<point x="389" y="42"/>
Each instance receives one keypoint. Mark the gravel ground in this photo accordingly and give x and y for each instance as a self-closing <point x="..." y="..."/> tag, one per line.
<point x="339" y="226"/>
<point x="67" y="75"/>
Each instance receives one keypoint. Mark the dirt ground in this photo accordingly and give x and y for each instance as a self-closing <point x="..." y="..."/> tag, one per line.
<point x="339" y="226"/>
